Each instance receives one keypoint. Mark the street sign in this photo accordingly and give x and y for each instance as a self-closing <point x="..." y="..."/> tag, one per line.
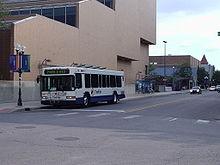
<point x="14" y="63"/>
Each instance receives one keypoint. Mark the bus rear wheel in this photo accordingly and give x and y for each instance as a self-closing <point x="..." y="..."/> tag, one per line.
<point x="86" y="101"/>
<point x="115" y="99"/>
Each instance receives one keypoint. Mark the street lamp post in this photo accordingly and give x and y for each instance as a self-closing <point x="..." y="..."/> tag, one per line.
<point x="164" y="60"/>
<point x="19" y="52"/>
<point x="173" y="85"/>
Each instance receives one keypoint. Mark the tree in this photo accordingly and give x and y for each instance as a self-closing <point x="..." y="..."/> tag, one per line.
<point x="3" y="13"/>
<point x="184" y="71"/>
<point x="216" y="77"/>
<point x="201" y="74"/>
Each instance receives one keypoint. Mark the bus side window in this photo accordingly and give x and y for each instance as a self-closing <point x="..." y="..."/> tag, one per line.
<point x="94" y="80"/>
<point x="78" y="80"/>
<point x="87" y="81"/>
<point x="112" y="81"/>
<point x="118" y="81"/>
<point x="100" y="81"/>
<point x="108" y="81"/>
<point x="104" y="81"/>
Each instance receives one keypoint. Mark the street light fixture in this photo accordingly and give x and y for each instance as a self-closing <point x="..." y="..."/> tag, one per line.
<point x="164" y="61"/>
<point x="19" y="52"/>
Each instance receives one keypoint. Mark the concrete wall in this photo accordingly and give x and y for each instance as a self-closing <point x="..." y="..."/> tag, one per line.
<point x="9" y="91"/>
<point x="103" y="34"/>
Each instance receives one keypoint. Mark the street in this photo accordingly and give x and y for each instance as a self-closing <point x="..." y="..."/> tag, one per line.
<point x="178" y="129"/>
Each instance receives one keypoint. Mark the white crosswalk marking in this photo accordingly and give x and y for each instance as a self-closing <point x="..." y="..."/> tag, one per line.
<point x="99" y="110"/>
<point x="131" y="117"/>
<point x="99" y="115"/>
<point x="202" y="121"/>
<point x="66" y="114"/>
<point x="173" y="119"/>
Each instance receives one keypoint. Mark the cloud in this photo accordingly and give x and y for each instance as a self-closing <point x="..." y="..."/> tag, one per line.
<point x="189" y="33"/>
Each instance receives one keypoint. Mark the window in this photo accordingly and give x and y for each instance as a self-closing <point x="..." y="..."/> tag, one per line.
<point x="59" y="14"/>
<point x="48" y="13"/>
<point x="36" y="11"/>
<point x="71" y="15"/>
<point x="112" y="81"/>
<point x="87" y="81"/>
<point x="109" y="3"/>
<point x="102" y="1"/>
<point x="78" y="80"/>
<point x="94" y="80"/>
<point x="107" y="81"/>
<point x="14" y="12"/>
<point x="24" y="12"/>
<point x="118" y="81"/>
<point x="104" y="81"/>
<point x="100" y="80"/>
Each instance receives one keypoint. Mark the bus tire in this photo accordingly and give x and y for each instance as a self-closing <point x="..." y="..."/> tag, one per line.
<point x="86" y="100"/>
<point x="115" y="99"/>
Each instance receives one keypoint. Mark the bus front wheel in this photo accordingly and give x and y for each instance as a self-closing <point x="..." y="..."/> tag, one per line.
<point x="115" y="99"/>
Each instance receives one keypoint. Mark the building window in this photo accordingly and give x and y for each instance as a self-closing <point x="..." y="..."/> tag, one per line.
<point x="48" y="12"/>
<point x="71" y="15"/>
<point x="36" y="11"/>
<point x="59" y="14"/>
<point x="14" y="12"/>
<point x="24" y="12"/>
<point x="63" y="14"/>
<point x="109" y="3"/>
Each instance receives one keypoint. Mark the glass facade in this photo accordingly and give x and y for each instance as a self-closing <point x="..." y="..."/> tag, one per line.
<point x="64" y="14"/>
<point x="109" y="3"/>
<point x="59" y="14"/>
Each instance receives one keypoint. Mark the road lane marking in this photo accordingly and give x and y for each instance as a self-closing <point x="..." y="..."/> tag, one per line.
<point x="66" y="114"/>
<point x="156" y="105"/>
<point x="99" y="115"/>
<point x="202" y="121"/>
<point x="102" y="110"/>
<point x="132" y="117"/>
<point x="173" y="119"/>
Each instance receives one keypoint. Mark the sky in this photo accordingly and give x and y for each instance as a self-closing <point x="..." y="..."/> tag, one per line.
<point x="190" y="27"/>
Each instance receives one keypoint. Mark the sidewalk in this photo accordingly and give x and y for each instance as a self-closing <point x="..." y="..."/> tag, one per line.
<point x="32" y="105"/>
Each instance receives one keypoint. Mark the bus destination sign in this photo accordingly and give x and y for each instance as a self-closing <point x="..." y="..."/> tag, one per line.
<point x="57" y="71"/>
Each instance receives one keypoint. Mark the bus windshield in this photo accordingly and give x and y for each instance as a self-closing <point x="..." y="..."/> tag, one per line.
<point x="57" y="83"/>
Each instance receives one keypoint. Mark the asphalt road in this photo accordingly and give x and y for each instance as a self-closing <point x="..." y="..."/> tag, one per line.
<point x="171" y="130"/>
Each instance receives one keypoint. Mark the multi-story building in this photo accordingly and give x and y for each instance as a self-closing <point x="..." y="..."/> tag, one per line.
<point x="111" y="33"/>
<point x="208" y="68"/>
<point x="169" y="65"/>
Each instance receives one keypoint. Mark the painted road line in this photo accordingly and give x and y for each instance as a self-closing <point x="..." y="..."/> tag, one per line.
<point x="156" y="105"/>
<point x="173" y="119"/>
<point x="99" y="115"/>
<point x="101" y="110"/>
<point x="202" y="121"/>
<point x="66" y="114"/>
<point x="132" y="117"/>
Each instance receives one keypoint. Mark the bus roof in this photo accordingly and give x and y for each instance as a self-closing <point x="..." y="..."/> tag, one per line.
<point x="71" y="70"/>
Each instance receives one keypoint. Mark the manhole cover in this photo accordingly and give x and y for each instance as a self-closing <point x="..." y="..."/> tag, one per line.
<point x="67" y="138"/>
<point x="25" y="127"/>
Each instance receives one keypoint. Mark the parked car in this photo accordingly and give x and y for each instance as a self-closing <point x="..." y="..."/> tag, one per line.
<point x="217" y="88"/>
<point x="196" y="90"/>
<point x="212" y="88"/>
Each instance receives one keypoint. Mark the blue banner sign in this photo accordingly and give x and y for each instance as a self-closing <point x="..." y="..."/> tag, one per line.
<point x="21" y="61"/>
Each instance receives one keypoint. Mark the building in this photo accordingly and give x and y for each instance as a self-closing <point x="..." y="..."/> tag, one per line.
<point x="208" y="68"/>
<point x="111" y="33"/>
<point x="169" y="66"/>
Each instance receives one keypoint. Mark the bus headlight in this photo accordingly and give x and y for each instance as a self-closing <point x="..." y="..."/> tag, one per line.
<point x="71" y="97"/>
<point x="44" y="97"/>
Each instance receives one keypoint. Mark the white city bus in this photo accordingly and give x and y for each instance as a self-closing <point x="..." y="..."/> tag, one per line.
<point x="81" y="85"/>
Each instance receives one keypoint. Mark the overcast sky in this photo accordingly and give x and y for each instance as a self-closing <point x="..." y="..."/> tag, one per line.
<point x="190" y="28"/>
